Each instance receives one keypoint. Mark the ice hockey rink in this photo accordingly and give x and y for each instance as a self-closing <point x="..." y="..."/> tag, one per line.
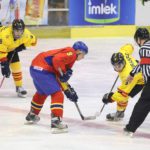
<point x="92" y="78"/>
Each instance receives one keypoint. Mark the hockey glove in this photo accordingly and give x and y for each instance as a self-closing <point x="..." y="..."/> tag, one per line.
<point x="5" y="69"/>
<point x="20" y="48"/>
<point x="107" y="98"/>
<point x="71" y="95"/>
<point x="66" y="76"/>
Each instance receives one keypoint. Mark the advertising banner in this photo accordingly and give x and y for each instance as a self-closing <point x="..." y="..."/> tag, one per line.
<point x="33" y="12"/>
<point x="97" y="12"/>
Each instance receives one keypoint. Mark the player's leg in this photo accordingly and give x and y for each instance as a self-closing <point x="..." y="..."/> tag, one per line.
<point x="36" y="106"/>
<point x="57" y="126"/>
<point x="121" y="105"/>
<point x="119" y="114"/>
<point x="140" y="111"/>
<point x="15" y="66"/>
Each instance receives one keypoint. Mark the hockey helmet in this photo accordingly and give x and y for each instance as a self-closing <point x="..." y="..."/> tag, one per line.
<point x="141" y="33"/>
<point x="79" y="45"/>
<point x="18" y="24"/>
<point x="18" y="28"/>
<point x="117" y="58"/>
<point x="118" y="62"/>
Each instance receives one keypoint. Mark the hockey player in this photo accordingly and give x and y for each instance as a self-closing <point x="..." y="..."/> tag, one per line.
<point x="14" y="39"/>
<point x="123" y="63"/>
<point x="46" y="71"/>
<point x="142" y="107"/>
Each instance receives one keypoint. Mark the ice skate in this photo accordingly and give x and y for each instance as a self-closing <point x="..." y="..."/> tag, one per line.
<point x="57" y="126"/>
<point x="128" y="133"/>
<point x="119" y="115"/>
<point x="21" y="92"/>
<point x="32" y="118"/>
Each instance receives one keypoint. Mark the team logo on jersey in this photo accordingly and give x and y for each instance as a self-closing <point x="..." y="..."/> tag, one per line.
<point x="69" y="53"/>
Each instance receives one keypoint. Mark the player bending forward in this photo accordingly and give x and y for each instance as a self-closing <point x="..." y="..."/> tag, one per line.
<point x="123" y="63"/>
<point x="48" y="80"/>
<point x="14" y="39"/>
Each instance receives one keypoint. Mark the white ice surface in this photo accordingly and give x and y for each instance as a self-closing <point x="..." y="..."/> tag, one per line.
<point x="93" y="77"/>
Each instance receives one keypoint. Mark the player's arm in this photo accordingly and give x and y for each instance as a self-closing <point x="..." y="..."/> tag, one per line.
<point x="135" y="71"/>
<point x="3" y="51"/>
<point x="123" y="91"/>
<point x="117" y="96"/>
<point x="69" y="91"/>
<point x="63" y="61"/>
<point x="64" y="85"/>
<point x="128" y="48"/>
<point x="3" y="61"/>
<point x="29" y="39"/>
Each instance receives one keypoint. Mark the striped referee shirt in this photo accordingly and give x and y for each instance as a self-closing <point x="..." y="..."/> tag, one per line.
<point x="144" y="65"/>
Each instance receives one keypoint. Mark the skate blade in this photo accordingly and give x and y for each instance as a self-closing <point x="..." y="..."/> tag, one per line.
<point x="30" y="122"/>
<point x="58" y="131"/>
<point x="114" y="120"/>
<point x="22" y="96"/>
<point x="128" y="134"/>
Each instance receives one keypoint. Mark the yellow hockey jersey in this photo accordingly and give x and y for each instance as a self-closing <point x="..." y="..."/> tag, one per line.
<point x="8" y="44"/>
<point x="123" y="90"/>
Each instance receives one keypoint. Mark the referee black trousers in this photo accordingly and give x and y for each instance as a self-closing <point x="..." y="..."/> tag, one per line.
<point x="141" y="109"/>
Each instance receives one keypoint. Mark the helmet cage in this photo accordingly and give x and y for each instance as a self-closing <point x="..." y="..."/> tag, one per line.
<point x="118" y="62"/>
<point x="18" y="27"/>
<point x="119" y="66"/>
<point x="17" y="33"/>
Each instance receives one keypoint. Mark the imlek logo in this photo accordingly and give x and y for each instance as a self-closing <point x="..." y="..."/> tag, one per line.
<point x="102" y="11"/>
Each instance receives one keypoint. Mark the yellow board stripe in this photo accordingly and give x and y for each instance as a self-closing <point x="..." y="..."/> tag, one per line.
<point x="103" y="31"/>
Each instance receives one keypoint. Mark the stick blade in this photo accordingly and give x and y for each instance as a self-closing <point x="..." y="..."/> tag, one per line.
<point x="90" y="118"/>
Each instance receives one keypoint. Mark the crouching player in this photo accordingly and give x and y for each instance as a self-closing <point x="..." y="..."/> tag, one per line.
<point x="49" y="81"/>
<point x="14" y="39"/>
<point x="123" y="63"/>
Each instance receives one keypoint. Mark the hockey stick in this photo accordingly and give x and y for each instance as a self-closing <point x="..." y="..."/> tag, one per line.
<point x="81" y="115"/>
<point x="9" y="64"/>
<point x="97" y="114"/>
<point x="76" y="104"/>
<point x="2" y="81"/>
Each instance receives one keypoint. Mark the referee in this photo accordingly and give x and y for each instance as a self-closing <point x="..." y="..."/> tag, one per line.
<point x="142" y="107"/>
